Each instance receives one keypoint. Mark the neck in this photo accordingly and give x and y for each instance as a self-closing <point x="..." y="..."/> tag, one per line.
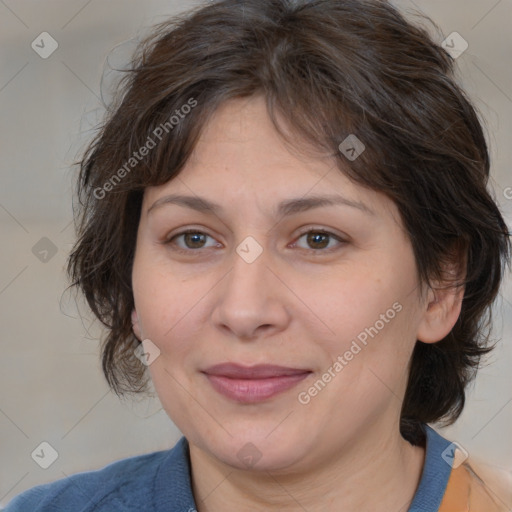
<point x="378" y="471"/>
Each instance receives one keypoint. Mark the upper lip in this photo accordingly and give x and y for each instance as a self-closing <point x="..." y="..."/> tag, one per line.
<point x="261" y="371"/>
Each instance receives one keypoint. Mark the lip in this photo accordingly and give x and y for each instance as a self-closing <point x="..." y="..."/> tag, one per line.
<point x="252" y="384"/>
<point x="259" y="371"/>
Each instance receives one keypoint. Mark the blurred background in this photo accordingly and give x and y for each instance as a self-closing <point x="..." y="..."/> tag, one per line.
<point x="53" y="54"/>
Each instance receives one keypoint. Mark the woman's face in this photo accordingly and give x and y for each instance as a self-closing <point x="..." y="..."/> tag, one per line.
<point x="339" y="308"/>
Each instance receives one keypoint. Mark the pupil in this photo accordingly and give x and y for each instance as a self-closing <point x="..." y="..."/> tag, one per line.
<point x="194" y="236"/>
<point x="314" y="238"/>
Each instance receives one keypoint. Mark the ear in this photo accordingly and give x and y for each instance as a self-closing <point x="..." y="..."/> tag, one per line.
<point x="441" y="308"/>
<point x="136" y="325"/>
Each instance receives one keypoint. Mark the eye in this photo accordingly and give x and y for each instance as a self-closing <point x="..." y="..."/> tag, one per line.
<point x="192" y="238"/>
<point x="318" y="241"/>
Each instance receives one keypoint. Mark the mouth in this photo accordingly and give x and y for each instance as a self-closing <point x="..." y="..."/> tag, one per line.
<point x="253" y="384"/>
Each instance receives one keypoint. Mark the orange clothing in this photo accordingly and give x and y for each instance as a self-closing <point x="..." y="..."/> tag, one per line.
<point x="477" y="488"/>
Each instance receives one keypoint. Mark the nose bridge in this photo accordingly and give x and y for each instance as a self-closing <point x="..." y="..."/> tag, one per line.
<point x="250" y="298"/>
<point x="250" y="266"/>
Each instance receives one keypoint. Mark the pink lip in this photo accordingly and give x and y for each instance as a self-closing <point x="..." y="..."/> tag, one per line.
<point x="253" y="384"/>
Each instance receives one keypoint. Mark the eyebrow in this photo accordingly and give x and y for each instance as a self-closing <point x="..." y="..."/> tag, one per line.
<point x="284" y="208"/>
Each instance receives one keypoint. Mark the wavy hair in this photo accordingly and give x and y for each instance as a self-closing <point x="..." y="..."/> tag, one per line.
<point x="330" y="68"/>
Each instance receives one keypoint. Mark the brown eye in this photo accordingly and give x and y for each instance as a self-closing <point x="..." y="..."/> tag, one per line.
<point x="318" y="241"/>
<point x="192" y="240"/>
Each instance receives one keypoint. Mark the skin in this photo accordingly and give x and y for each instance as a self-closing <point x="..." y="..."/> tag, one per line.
<point x="293" y="306"/>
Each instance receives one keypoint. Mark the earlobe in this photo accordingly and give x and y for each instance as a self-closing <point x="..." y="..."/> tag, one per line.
<point x="441" y="313"/>
<point x="136" y="325"/>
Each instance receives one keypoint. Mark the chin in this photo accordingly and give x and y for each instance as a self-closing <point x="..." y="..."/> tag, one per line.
<point x="259" y="452"/>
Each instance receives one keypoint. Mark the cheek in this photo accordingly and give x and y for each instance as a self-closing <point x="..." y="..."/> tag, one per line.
<point x="168" y="309"/>
<point x="371" y="315"/>
<point x="358" y="308"/>
<point x="367" y="368"/>
<point x="342" y="304"/>
<point x="162" y="302"/>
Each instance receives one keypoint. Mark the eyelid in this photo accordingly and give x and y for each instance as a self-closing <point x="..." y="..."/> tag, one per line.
<point x="341" y="239"/>
<point x="168" y="239"/>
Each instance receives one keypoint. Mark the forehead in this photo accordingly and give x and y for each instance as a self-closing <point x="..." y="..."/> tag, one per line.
<point x="241" y="130"/>
<point x="240" y="156"/>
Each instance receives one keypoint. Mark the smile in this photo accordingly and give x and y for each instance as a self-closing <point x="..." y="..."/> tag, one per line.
<point x="253" y="384"/>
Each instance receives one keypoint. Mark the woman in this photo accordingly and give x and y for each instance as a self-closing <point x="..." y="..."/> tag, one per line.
<point x="285" y="220"/>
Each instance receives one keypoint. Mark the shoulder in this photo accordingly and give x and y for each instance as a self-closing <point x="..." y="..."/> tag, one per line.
<point x="453" y="482"/>
<point x="475" y="486"/>
<point x="123" y="485"/>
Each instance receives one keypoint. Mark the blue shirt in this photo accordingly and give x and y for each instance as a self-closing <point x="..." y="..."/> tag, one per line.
<point x="161" y="482"/>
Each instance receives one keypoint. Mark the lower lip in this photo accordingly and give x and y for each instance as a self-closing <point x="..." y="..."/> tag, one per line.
<point x="254" y="390"/>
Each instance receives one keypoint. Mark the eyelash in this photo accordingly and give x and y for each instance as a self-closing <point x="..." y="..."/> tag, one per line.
<point x="342" y="242"/>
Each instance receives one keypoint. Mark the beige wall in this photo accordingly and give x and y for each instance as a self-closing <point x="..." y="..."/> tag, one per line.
<point x="51" y="386"/>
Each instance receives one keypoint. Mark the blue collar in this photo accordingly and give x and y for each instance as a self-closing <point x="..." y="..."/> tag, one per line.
<point x="435" y="475"/>
<point x="172" y="488"/>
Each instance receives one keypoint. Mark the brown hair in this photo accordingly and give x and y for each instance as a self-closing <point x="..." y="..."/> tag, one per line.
<point x="331" y="68"/>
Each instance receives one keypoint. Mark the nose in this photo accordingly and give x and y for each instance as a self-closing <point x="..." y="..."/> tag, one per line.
<point x="252" y="299"/>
